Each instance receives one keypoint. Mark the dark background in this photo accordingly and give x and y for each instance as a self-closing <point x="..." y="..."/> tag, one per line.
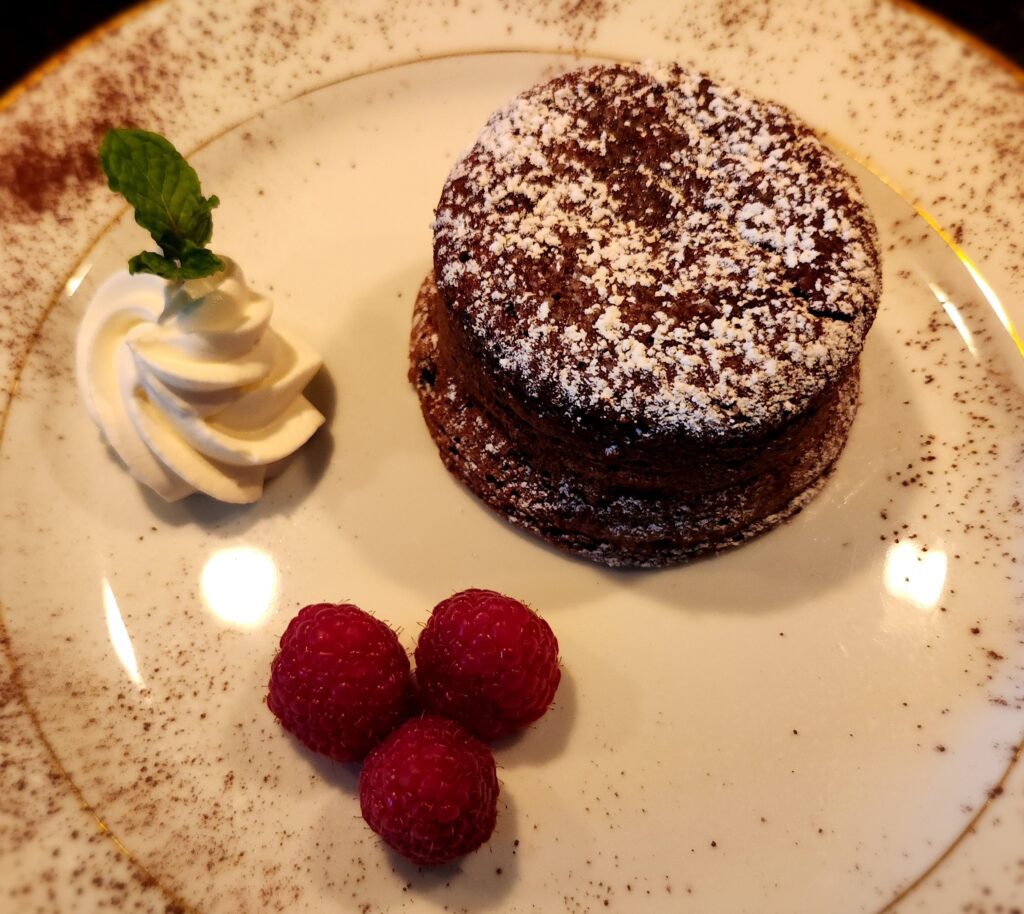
<point x="45" y="26"/>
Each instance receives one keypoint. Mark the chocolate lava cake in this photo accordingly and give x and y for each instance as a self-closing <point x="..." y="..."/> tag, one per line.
<point x="650" y="293"/>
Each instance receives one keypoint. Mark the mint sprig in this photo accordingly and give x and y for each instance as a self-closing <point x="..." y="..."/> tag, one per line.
<point x="168" y="201"/>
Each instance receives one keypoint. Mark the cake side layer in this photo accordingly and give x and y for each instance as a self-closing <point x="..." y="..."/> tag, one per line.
<point x="639" y="254"/>
<point x="677" y="467"/>
<point x="582" y="517"/>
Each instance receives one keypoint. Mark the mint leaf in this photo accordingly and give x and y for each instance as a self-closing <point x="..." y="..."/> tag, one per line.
<point x="168" y="201"/>
<point x="150" y="262"/>
<point x="200" y="262"/>
<point x="194" y="264"/>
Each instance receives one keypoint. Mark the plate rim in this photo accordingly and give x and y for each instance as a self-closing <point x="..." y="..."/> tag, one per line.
<point x="58" y="59"/>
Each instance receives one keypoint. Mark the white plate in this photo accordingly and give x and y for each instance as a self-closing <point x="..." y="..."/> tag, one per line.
<point x="818" y="721"/>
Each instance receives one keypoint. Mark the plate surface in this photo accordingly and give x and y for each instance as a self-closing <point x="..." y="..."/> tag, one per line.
<point x="808" y="723"/>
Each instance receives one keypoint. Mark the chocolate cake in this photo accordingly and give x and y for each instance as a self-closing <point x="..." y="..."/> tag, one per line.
<point x="641" y="337"/>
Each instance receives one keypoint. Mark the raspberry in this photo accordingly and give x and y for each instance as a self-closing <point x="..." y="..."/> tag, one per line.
<point x="341" y="681"/>
<point x="488" y="662"/>
<point x="430" y="790"/>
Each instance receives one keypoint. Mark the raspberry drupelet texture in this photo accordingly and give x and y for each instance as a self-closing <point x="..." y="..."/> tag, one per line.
<point x="341" y="681"/>
<point x="487" y="661"/>
<point x="430" y="790"/>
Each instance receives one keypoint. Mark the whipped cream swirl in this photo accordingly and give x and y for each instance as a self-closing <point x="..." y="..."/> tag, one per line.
<point x="191" y="386"/>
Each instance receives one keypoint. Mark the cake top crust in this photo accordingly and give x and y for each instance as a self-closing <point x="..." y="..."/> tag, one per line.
<point x="640" y="245"/>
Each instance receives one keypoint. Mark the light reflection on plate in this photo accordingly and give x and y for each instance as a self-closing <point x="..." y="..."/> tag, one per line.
<point x="120" y="640"/>
<point x="916" y="574"/>
<point x="239" y="585"/>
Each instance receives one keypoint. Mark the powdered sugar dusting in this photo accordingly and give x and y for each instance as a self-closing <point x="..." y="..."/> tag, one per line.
<point x="642" y="243"/>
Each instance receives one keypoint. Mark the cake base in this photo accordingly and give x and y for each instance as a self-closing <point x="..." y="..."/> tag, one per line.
<point x="583" y="516"/>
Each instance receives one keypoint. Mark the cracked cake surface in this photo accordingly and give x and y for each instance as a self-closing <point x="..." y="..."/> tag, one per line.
<point x="643" y="245"/>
